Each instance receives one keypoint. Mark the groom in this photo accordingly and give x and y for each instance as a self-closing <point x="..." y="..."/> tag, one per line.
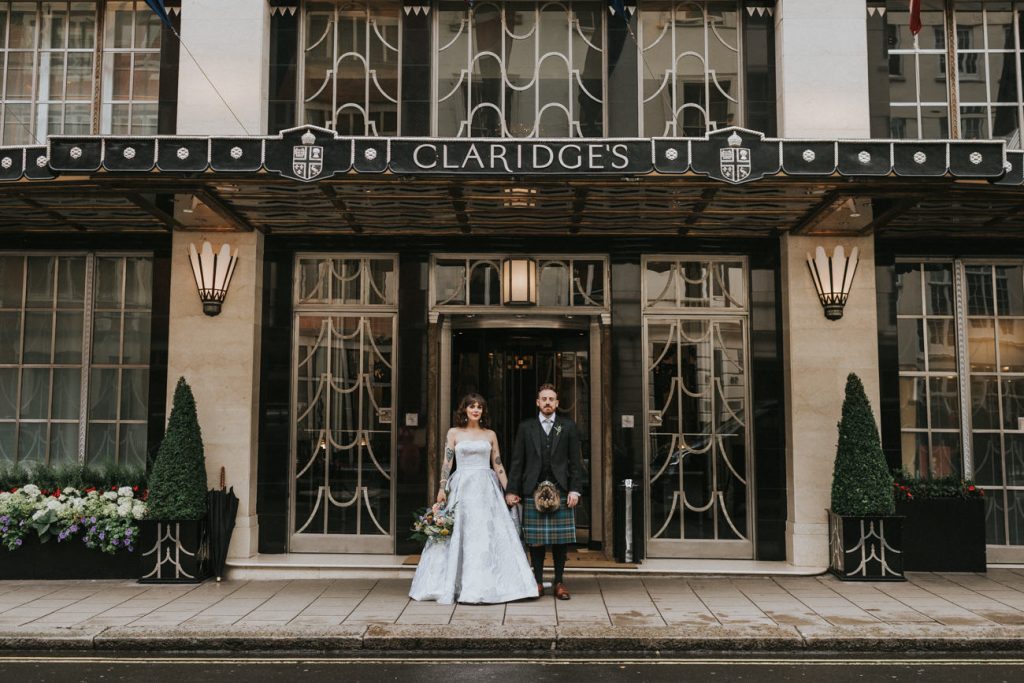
<point x="547" y="448"/>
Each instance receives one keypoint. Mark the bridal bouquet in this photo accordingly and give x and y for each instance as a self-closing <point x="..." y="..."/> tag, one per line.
<point x="433" y="524"/>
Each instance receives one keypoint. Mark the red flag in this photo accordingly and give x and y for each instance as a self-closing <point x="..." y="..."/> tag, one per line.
<point x="915" y="16"/>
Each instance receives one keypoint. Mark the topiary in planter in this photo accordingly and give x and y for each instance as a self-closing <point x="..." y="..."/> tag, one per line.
<point x="177" y="484"/>
<point x="861" y="482"/>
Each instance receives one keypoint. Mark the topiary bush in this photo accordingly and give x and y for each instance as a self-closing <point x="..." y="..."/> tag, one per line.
<point x="177" y="484"/>
<point x="861" y="483"/>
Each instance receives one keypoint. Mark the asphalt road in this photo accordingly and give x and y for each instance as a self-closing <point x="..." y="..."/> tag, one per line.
<point x="244" y="668"/>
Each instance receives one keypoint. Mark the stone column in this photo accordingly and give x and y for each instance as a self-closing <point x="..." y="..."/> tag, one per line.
<point x="819" y="354"/>
<point x="230" y="40"/>
<point x="821" y="58"/>
<point x="220" y="358"/>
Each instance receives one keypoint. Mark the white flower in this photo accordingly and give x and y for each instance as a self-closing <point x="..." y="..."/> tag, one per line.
<point x="30" y="490"/>
<point x="110" y="495"/>
<point x="53" y="504"/>
<point x="93" y="494"/>
<point x="139" y="509"/>
<point x="69" y="491"/>
<point x="125" y="492"/>
<point x="5" y="496"/>
<point x="38" y="513"/>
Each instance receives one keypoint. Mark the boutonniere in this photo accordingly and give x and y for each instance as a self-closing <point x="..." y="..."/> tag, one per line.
<point x="558" y="429"/>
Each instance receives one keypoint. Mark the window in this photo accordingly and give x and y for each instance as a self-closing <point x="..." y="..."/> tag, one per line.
<point x="963" y="414"/>
<point x="523" y="69"/>
<point x="74" y="358"/>
<point x="350" y="66"/>
<point x="689" y="67"/>
<point x="48" y="81"/>
<point x="987" y="83"/>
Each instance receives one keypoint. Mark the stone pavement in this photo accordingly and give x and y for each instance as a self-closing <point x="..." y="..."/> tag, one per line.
<point x="945" y="612"/>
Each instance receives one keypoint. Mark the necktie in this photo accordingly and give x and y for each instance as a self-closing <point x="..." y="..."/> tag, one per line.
<point x="547" y="426"/>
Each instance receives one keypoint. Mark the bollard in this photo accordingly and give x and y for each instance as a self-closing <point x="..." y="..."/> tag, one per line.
<point x="628" y="485"/>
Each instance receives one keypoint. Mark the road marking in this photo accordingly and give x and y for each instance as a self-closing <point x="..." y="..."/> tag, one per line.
<point x="802" y="661"/>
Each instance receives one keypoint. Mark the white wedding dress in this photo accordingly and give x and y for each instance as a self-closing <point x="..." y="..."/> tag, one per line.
<point x="483" y="561"/>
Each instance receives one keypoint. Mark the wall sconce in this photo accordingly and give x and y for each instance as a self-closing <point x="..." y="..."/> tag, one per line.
<point x="519" y="282"/>
<point x="213" y="273"/>
<point x="832" y="278"/>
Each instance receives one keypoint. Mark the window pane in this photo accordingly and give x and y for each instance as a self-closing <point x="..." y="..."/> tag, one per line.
<point x="1009" y="290"/>
<point x="68" y="338"/>
<point x="51" y="85"/>
<point x="134" y="394"/>
<point x="103" y="394"/>
<point x="945" y="405"/>
<point x="35" y="393"/>
<point x="136" y="339"/>
<point x="1014" y="459"/>
<point x="19" y="76"/>
<point x="101" y="445"/>
<point x="79" y="76"/>
<point x="914" y="446"/>
<point x="8" y="393"/>
<point x="10" y="337"/>
<point x="67" y="392"/>
<point x="77" y="119"/>
<point x="119" y="24"/>
<point x="133" y="445"/>
<point x="23" y="25"/>
<point x="40" y="282"/>
<point x="17" y="124"/>
<point x="913" y="408"/>
<point x="32" y="442"/>
<point x="7" y="452"/>
<point x="995" y="517"/>
<point x="121" y="76"/>
<point x="108" y="282"/>
<point x="144" y="119"/>
<point x="106" y="337"/>
<point x="911" y="344"/>
<point x="979" y="290"/>
<point x="147" y="29"/>
<point x="147" y="77"/>
<point x="70" y="281"/>
<point x="82" y="30"/>
<point x="939" y="280"/>
<point x="63" y="443"/>
<point x="988" y="459"/>
<point x="942" y="345"/>
<point x="11" y="271"/>
<point x="981" y="345"/>
<point x="138" y="282"/>
<point x="908" y="289"/>
<point x="1013" y="403"/>
<point x="985" y="402"/>
<point x="38" y="327"/>
<point x="945" y="455"/>
<point x="1015" y="517"/>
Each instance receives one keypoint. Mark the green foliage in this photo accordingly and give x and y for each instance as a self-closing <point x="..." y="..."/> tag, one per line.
<point x="861" y="483"/>
<point x="177" y="484"/>
<point x="909" y="487"/>
<point x="49" y="477"/>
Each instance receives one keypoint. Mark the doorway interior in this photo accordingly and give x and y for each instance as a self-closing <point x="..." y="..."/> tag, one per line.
<point x="507" y="365"/>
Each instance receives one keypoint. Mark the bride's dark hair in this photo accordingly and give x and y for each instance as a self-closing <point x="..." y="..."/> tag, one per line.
<point x="462" y="419"/>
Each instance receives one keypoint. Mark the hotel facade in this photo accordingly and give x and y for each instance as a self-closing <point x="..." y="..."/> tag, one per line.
<point x="431" y="198"/>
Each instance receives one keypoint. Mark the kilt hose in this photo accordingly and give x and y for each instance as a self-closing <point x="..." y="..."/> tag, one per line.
<point x="549" y="528"/>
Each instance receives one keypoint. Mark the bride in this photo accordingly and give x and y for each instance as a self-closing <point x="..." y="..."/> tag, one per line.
<point x="483" y="561"/>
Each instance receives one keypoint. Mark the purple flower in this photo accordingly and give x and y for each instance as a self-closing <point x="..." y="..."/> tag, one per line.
<point x="117" y="542"/>
<point x="128" y="532"/>
<point x="102" y="535"/>
<point x="17" y="541"/>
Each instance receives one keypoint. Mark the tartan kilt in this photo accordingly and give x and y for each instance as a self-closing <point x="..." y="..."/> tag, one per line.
<point x="549" y="528"/>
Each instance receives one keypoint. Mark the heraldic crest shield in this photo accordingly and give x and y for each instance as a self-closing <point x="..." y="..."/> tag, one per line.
<point x="307" y="158"/>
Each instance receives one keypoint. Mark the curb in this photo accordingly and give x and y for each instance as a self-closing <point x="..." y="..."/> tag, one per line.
<point x="521" y="639"/>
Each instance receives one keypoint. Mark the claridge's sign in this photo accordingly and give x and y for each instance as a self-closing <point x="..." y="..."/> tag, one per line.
<point x="486" y="156"/>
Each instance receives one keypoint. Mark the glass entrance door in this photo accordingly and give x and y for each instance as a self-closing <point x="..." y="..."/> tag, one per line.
<point x="506" y="367"/>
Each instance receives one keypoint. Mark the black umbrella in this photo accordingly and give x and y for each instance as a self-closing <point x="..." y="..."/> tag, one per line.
<point x="222" y="506"/>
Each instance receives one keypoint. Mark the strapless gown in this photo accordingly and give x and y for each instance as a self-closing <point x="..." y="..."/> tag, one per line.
<point x="483" y="561"/>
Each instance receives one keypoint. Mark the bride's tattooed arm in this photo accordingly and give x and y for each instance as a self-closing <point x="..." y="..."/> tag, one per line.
<point x="446" y="467"/>
<point x="496" y="464"/>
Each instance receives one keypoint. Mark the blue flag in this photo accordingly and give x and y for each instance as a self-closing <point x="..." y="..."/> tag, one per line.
<point x="620" y="8"/>
<point x="160" y="8"/>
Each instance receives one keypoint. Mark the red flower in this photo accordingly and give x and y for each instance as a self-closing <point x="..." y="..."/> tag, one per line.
<point x="90" y="489"/>
<point x="135" y="488"/>
<point x="971" y="487"/>
<point x="113" y="488"/>
<point x="56" y="494"/>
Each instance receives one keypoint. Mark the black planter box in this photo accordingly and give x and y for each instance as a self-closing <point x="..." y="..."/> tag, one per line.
<point x="70" y="559"/>
<point x="173" y="552"/>
<point x="866" y="548"/>
<point x="943" y="534"/>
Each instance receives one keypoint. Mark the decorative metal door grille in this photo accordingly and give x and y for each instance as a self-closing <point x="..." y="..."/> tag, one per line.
<point x="689" y="66"/>
<point x="465" y="284"/>
<point x="699" y="460"/>
<point x="519" y="69"/>
<point x="351" y="67"/>
<point x="345" y="325"/>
